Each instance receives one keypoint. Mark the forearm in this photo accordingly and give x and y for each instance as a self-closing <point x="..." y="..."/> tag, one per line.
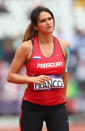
<point x="18" y="79"/>
<point x="64" y="90"/>
<point x="65" y="77"/>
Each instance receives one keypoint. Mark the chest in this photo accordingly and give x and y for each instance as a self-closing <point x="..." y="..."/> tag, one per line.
<point x="47" y="50"/>
<point x="40" y="64"/>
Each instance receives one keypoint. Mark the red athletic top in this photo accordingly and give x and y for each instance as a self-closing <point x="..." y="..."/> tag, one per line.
<point x="41" y="65"/>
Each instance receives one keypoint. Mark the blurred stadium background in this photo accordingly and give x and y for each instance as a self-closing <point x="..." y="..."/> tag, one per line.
<point x="70" y="26"/>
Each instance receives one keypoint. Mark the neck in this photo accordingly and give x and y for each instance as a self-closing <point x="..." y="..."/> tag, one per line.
<point x="45" y="39"/>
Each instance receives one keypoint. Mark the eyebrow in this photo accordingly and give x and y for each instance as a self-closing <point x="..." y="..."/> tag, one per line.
<point x="45" y="18"/>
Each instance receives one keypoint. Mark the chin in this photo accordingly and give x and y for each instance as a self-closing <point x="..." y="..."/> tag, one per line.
<point x="49" y="32"/>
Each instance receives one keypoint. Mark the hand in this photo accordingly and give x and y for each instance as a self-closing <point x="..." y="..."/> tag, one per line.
<point x="40" y="79"/>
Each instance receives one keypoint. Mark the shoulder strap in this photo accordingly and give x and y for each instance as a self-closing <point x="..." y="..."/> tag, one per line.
<point x="60" y="46"/>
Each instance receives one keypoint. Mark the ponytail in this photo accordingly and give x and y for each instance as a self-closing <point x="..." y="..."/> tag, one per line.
<point x="29" y="33"/>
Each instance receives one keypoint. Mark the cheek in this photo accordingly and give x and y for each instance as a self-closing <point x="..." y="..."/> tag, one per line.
<point x="52" y="22"/>
<point x="41" y="26"/>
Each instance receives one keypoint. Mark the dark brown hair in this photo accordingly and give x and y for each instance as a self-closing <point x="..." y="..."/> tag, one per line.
<point x="30" y="31"/>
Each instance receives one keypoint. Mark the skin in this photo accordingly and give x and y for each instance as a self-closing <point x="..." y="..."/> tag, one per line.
<point x="64" y="44"/>
<point x="45" y="27"/>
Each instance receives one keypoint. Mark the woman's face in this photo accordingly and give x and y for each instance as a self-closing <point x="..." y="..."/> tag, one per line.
<point x="45" y="23"/>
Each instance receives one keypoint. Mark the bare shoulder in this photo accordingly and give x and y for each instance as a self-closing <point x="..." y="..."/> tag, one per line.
<point x="25" y="47"/>
<point x="64" y="43"/>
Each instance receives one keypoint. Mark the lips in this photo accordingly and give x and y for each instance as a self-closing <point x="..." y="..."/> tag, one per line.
<point x="49" y="27"/>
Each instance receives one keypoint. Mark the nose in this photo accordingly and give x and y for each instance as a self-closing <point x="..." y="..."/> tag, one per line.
<point x="48" y="22"/>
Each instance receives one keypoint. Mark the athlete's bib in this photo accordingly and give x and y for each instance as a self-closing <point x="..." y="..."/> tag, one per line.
<point x="53" y="84"/>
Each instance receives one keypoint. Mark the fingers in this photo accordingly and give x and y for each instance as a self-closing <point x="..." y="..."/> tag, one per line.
<point x="46" y="77"/>
<point x="43" y="79"/>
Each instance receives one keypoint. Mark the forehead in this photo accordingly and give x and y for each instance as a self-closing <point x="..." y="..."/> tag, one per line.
<point x="44" y="15"/>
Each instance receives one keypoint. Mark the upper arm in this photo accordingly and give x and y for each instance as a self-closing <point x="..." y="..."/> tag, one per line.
<point x="20" y="56"/>
<point x="66" y="51"/>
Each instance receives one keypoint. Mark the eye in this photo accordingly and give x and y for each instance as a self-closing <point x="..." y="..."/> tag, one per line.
<point x="43" y="20"/>
<point x="50" y="18"/>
